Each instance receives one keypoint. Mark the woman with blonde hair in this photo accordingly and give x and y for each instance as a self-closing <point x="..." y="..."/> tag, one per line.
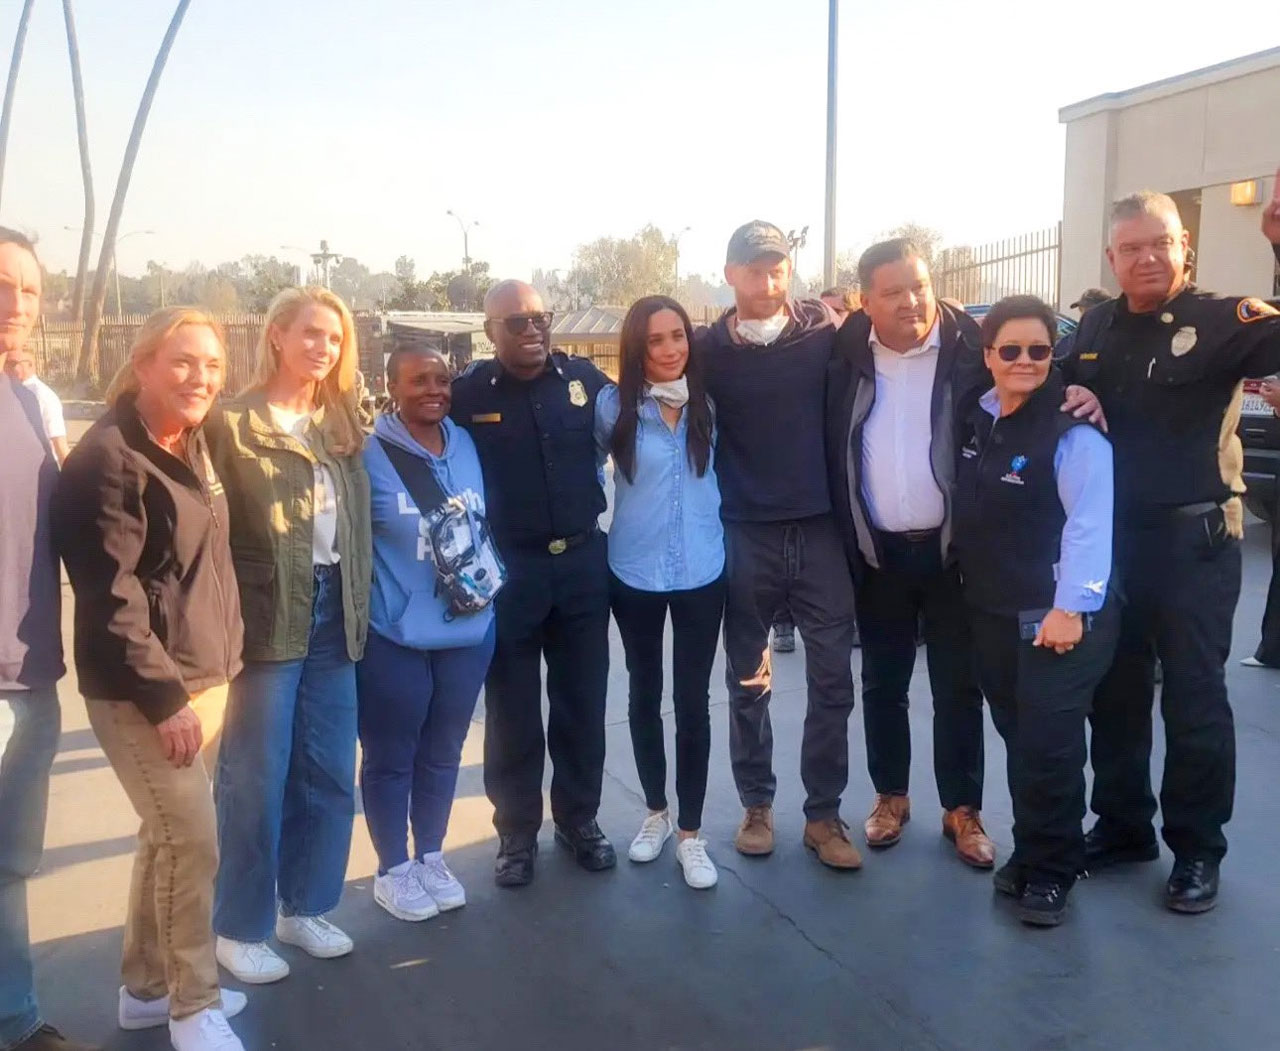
<point x="140" y="521"/>
<point x="288" y="450"/>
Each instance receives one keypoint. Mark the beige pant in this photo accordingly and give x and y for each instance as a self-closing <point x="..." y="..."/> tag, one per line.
<point x="168" y="937"/>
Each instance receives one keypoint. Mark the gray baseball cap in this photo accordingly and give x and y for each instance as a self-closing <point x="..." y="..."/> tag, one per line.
<point x="754" y="239"/>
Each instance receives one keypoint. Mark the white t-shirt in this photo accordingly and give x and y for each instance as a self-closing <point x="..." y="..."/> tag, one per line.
<point x="50" y="408"/>
<point x="324" y="500"/>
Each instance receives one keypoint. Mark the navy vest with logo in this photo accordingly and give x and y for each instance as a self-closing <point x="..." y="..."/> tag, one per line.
<point x="1008" y="518"/>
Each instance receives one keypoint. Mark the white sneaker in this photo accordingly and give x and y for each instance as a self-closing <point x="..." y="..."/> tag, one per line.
<point x="314" y="935"/>
<point x="699" y="872"/>
<point x="205" y="1030"/>
<point x="651" y="838"/>
<point x="402" y="894"/>
<point x="254" y="963"/>
<point x="135" y="1014"/>
<point x="1252" y="662"/>
<point x="436" y="879"/>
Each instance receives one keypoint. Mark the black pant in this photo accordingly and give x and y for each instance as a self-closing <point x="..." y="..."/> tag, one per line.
<point x="1039" y="700"/>
<point x="1268" y="651"/>
<point x="555" y="606"/>
<point x="913" y="581"/>
<point x="1181" y="580"/>
<point x="695" y="630"/>
<point x="802" y="565"/>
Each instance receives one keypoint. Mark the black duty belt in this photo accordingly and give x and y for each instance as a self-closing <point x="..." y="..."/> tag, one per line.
<point x="557" y="545"/>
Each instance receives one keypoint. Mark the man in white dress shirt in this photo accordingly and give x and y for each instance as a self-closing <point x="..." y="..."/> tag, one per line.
<point x="903" y="367"/>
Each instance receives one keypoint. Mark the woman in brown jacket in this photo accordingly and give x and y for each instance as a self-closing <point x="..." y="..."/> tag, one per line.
<point x="141" y="522"/>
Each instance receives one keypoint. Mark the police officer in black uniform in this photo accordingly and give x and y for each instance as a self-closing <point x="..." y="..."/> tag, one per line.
<point x="530" y="412"/>
<point x="1167" y="361"/>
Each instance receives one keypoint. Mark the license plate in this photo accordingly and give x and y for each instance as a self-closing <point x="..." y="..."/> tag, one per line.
<point x="1253" y="405"/>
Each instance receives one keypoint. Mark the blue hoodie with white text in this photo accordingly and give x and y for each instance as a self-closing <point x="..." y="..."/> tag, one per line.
<point x="405" y="606"/>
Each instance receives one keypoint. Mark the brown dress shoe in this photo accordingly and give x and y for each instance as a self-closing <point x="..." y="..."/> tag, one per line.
<point x="46" y="1038"/>
<point x="755" y="836"/>
<point x="830" y="841"/>
<point x="883" y="827"/>
<point x="963" y="826"/>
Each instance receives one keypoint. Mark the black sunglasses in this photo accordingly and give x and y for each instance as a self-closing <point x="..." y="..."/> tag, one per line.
<point x="517" y="323"/>
<point x="1011" y="352"/>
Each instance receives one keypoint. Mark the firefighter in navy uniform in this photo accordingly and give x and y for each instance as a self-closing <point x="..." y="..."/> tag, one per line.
<point x="530" y="412"/>
<point x="1167" y="360"/>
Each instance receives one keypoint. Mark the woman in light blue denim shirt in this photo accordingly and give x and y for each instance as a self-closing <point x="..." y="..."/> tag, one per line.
<point x="666" y="552"/>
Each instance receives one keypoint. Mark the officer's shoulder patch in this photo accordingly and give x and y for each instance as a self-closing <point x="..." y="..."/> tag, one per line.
<point x="1252" y="309"/>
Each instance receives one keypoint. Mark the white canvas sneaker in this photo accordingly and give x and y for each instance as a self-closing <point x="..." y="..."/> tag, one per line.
<point x="651" y="838"/>
<point x="254" y="963"/>
<point x="203" y="1031"/>
<point x="443" y="886"/>
<point x="135" y="1014"/>
<point x="314" y="935"/>
<point x="699" y="872"/>
<point x="402" y="894"/>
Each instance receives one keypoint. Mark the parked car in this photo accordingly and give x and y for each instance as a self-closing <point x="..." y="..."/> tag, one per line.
<point x="1066" y="325"/>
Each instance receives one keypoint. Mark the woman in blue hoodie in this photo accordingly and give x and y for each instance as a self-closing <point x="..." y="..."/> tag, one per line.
<point x="425" y="661"/>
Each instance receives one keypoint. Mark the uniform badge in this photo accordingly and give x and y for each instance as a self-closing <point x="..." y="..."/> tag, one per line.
<point x="577" y="393"/>
<point x="1254" y="310"/>
<point x="1183" y="340"/>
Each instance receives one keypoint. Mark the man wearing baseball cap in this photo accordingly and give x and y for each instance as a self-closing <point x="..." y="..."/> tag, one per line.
<point x="765" y="364"/>
<point x="1089" y="298"/>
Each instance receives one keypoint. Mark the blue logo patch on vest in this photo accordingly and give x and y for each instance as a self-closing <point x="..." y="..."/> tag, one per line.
<point x="1016" y="465"/>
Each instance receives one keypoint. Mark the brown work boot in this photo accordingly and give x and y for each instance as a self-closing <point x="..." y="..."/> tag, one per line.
<point x="830" y="841"/>
<point x="883" y="827"/>
<point x="46" y="1038"/>
<point x="755" y="837"/>
<point x="963" y="826"/>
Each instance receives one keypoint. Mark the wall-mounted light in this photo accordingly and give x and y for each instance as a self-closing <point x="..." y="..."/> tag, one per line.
<point x="1247" y="192"/>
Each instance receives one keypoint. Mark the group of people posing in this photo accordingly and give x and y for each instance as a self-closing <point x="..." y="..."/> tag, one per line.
<point x="258" y="584"/>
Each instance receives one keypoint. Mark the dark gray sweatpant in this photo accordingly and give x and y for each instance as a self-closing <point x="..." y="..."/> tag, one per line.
<point x="802" y="565"/>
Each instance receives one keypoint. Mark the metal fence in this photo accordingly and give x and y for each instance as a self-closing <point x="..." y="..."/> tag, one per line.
<point x="1029" y="264"/>
<point x="57" y="342"/>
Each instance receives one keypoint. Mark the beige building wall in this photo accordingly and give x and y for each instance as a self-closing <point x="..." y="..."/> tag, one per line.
<point x="1202" y="131"/>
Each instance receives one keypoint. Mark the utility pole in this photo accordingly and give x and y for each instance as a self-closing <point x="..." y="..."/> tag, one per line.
<point x="829" y="243"/>
<point x="797" y="241"/>
<point x="677" y="243"/>
<point x="323" y="259"/>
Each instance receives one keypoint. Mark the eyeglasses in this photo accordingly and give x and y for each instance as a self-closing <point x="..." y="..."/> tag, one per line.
<point x="517" y="323"/>
<point x="1011" y="352"/>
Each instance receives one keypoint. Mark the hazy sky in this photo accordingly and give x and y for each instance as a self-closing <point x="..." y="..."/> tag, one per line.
<point x="552" y="123"/>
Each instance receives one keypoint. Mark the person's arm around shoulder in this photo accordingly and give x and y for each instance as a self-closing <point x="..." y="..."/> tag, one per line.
<point x="606" y="418"/>
<point x="1084" y="471"/>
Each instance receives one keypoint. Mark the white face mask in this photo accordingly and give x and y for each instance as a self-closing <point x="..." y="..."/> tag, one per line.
<point x="762" y="332"/>
<point x="673" y="393"/>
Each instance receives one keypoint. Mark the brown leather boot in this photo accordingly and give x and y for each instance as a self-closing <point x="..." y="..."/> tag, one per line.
<point x="755" y="836"/>
<point x="883" y="827"/>
<point x="963" y="826"/>
<point x="830" y="841"/>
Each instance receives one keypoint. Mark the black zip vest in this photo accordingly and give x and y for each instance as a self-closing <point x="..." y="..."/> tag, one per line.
<point x="1008" y="518"/>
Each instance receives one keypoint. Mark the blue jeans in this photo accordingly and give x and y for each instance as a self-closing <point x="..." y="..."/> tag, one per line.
<point x="285" y="787"/>
<point x="24" y="804"/>
<point x="415" y="709"/>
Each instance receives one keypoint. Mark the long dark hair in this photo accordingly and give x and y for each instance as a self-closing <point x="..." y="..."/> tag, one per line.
<point x="633" y="346"/>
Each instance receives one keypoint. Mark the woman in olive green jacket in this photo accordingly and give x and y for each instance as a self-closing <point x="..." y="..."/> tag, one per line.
<point x="288" y="452"/>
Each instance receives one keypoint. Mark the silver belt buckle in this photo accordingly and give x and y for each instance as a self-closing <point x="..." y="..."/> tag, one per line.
<point x="558" y="547"/>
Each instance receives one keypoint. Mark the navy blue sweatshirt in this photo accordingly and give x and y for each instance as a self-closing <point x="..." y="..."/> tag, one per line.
<point x="770" y="456"/>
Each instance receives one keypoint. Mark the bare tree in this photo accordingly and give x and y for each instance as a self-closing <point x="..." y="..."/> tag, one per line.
<point x="88" y="349"/>
<point x="86" y="171"/>
<point x="18" y="43"/>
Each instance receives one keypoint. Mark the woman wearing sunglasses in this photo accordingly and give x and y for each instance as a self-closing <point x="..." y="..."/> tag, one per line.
<point x="666" y="552"/>
<point x="1033" y="521"/>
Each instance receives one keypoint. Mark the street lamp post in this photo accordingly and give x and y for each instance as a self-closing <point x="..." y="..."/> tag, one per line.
<point x="829" y="242"/>
<point x="677" y="261"/>
<point x="466" y="227"/>
<point x="115" y="268"/>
